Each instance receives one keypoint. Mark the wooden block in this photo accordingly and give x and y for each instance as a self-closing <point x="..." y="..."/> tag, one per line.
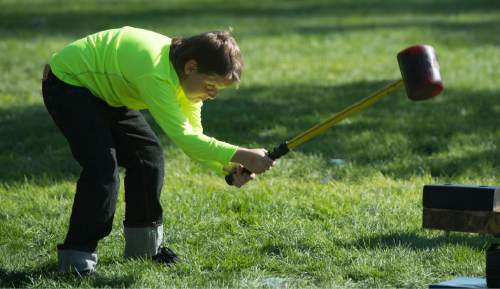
<point x="485" y="222"/>
<point x="462" y="208"/>
<point x="462" y="197"/>
<point x="493" y="266"/>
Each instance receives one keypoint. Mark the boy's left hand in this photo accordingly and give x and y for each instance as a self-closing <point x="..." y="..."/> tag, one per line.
<point x="241" y="176"/>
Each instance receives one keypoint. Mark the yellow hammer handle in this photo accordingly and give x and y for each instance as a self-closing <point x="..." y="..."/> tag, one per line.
<point x="326" y="124"/>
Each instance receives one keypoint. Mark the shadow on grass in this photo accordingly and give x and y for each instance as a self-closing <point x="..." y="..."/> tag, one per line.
<point x="26" y="278"/>
<point x="395" y="136"/>
<point x="51" y="17"/>
<point x="456" y="32"/>
<point x="32" y="147"/>
<point x="415" y="241"/>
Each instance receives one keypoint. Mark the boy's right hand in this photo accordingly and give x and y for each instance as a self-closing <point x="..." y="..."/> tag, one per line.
<point x="255" y="160"/>
<point x="241" y="176"/>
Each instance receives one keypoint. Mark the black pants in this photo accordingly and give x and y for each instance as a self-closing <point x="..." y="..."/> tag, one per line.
<point x="101" y="139"/>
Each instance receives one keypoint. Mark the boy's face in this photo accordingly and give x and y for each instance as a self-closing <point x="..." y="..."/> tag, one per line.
<point x="199" y="86"/>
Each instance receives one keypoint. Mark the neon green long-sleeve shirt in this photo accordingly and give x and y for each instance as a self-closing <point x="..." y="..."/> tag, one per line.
<point x="131" y="67"/>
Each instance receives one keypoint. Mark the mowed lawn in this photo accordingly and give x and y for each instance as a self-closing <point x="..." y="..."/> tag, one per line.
<point x="343" y="210"/>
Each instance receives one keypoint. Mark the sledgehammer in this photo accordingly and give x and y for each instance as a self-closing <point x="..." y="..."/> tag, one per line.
<point x="420" y="76"/>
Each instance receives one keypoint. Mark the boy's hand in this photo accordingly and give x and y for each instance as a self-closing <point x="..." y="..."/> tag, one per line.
<point x="254" y="160"/>
<point x="241" y="176"/>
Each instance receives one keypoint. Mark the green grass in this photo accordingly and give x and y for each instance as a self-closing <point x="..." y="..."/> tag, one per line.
<point x="309" y="222"/>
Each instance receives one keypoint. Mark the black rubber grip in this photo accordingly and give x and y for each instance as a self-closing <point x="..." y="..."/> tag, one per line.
<point x="279" y="151"/>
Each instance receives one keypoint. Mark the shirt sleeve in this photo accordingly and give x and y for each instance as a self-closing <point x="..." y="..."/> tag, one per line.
<point x="161" y="101"/>
<point x="193" y="114"/>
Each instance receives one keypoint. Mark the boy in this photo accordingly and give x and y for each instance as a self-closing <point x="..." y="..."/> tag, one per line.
<point x="93" y="89"/>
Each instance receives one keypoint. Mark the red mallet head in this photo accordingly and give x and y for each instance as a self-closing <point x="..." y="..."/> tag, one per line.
<point x="420" y="72"/>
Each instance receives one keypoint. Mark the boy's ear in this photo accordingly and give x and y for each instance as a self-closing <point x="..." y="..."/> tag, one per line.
<point x="190" y="67"/>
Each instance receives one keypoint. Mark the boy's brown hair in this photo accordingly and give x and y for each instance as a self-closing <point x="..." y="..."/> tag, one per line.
<point x="215" y="52"/>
